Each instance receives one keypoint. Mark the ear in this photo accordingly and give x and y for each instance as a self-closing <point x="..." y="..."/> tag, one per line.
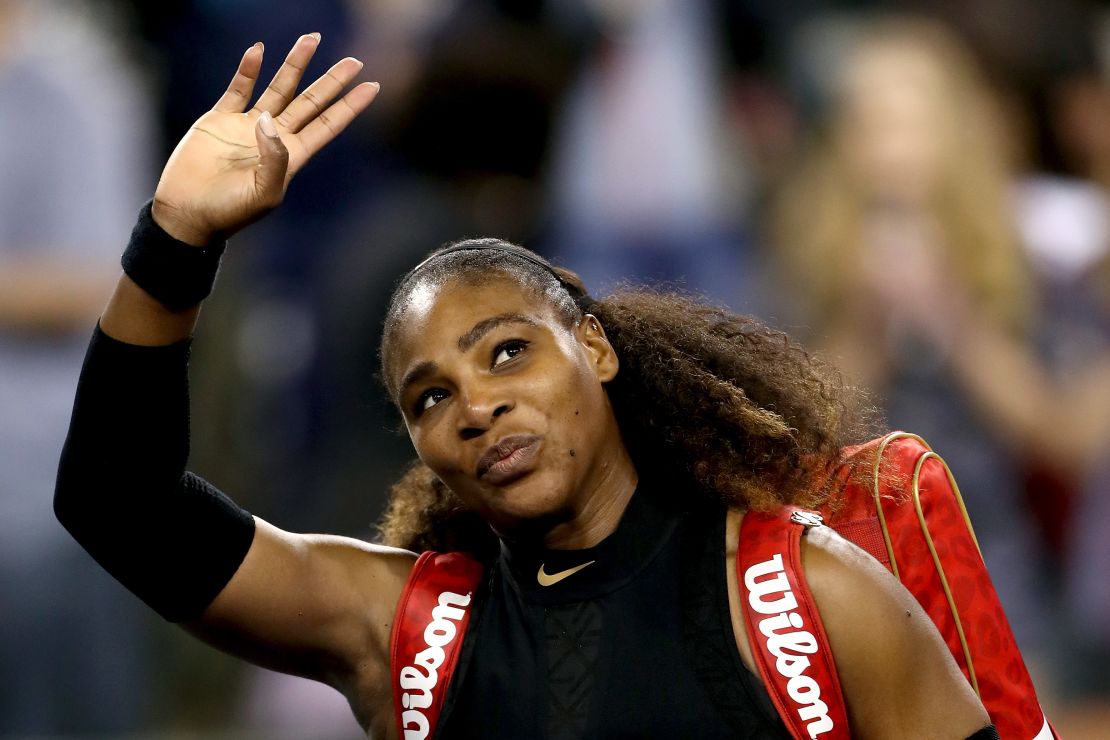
<point x="603" y="358"/>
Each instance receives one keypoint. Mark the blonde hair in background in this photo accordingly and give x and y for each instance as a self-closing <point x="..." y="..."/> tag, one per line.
<point x="818" y="219"/>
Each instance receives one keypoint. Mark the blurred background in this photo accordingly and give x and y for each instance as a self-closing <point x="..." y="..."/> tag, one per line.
<point x="918" y="189"/>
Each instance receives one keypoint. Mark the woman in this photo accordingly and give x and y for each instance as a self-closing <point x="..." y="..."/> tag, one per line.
<point x="510" y="394"/>
<point x="899" y="226"/>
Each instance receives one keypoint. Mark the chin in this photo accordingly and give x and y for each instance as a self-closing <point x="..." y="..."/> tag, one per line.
<point x="526" y="505"/>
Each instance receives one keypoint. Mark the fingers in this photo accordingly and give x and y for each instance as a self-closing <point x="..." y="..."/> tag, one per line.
<point x="315" y="99"/>
<point x="326" y="126"/>
<point x="273" y="161"/>
<point x="238" y="93"/>
<point x="284" y="85"/>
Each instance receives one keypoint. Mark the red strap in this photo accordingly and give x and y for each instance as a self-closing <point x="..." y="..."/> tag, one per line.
<point x="785" y="632"/>
<point x="428" y="630"/>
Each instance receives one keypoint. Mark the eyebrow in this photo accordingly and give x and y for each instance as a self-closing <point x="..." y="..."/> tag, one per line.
<point x="417" y="373"/>
<point x="483" y="327"/>
<point x="465" y="342"/>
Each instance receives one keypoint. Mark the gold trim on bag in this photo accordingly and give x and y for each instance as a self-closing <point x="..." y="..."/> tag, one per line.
<point x="930" y="455"/>
<point x="876" y="495"/>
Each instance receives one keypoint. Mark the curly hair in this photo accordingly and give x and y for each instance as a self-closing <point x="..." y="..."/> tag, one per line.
<point x="752" y="418"/>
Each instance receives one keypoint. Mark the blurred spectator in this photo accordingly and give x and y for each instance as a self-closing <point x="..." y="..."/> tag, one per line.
<point x="1084" y="366"/>
<point x="1063" y="421"/>
<point x="1066" y="385"/>
<point x="977" y="304"/>
<point x="645" y="183"/>
<point x="903" y="206"/>
<point x="75" y="162"/>
<point x="1047" y="395"/>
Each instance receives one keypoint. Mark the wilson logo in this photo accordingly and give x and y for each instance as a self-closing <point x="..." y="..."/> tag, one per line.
<point x="418" y="680"/>
<point x="787" y="639"/>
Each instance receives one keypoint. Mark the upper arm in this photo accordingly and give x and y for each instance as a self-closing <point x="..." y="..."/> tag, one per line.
<point x="898" y="678"/>
<point x="318" y="606"/>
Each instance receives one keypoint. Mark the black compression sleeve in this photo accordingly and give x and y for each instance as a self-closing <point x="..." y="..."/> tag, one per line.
<point x="987" y="733"/>
<point x="122" y="490"/>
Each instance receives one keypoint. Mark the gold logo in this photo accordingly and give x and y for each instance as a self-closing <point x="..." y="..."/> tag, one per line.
<point x="550" y="580"/>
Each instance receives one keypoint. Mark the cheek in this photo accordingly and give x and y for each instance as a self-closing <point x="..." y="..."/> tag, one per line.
<point x="432" y="447"/>
<point x="577" y="410"/>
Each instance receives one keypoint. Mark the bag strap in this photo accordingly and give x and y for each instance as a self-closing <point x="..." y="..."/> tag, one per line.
<point x="787" y="638"/>
<point x="432" y="615"/>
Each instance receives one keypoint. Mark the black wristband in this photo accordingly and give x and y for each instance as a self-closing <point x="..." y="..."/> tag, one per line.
<point x="176" y="274"/>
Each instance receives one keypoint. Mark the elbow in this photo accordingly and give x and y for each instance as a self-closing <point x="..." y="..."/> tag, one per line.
<point x="69" y="503"/>
<point x="64" y="498"/>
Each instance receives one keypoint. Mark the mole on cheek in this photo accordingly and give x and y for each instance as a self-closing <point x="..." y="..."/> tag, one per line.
<point x="576" y="412"/>
<point x="572" y="453"/>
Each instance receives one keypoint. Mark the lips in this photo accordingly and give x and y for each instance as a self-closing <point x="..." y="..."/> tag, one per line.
<point x="509" y="459"/>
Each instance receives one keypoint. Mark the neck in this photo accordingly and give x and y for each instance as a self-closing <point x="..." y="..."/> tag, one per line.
<point x="599" y="509"/>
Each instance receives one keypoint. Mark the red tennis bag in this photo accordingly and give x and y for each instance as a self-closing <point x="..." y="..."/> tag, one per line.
<point x="910" y="517"/>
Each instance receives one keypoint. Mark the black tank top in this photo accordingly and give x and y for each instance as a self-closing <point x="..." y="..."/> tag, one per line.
<point x="636" y="644"/>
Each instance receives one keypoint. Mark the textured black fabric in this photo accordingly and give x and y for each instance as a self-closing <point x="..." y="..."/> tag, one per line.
<point x="176" y="274"/>
<point x="738" y="694"/>
<point x="122" y="490"/>
<point x="605" y="652"/>
<point x="987" y="733"/>
<point x="573" y="647"/>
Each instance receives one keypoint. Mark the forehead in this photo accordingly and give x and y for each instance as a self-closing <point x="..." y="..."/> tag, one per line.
<point x="885" y="69"/>
<point x="436" y="316"/>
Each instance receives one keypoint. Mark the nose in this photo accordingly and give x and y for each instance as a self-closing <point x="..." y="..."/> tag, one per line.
<point x="479" y="410"/>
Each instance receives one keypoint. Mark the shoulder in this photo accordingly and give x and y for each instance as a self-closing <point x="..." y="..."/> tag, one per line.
<point x="859" y="601"/>
<point x="898" y="678"/>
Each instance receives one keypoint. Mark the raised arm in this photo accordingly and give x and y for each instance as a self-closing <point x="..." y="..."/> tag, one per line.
<point x="316" y="606"/>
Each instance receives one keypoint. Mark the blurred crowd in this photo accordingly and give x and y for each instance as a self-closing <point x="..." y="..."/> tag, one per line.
<point x="920" y="190"/>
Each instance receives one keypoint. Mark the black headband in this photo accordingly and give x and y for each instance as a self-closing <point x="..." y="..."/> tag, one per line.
<point x="583" y="300"/>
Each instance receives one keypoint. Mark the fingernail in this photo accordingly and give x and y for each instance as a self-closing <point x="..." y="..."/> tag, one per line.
<point x="315" y="35"/>
<point x="258" y="45"/>
<point x="376" y="86"/>
<point x="266" y="123"/>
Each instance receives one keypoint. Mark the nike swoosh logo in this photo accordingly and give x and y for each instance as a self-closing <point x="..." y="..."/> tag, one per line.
<point x="550" y="580"/>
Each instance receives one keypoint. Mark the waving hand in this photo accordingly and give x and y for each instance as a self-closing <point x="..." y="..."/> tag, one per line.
<point x="235" y="163"/>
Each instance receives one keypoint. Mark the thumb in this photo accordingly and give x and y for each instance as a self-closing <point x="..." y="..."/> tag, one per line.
<point x="273" y="161"/>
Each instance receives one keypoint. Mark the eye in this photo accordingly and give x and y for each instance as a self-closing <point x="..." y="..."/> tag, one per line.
<point x="427" y="400"/>
<point x="508" y="350"/>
